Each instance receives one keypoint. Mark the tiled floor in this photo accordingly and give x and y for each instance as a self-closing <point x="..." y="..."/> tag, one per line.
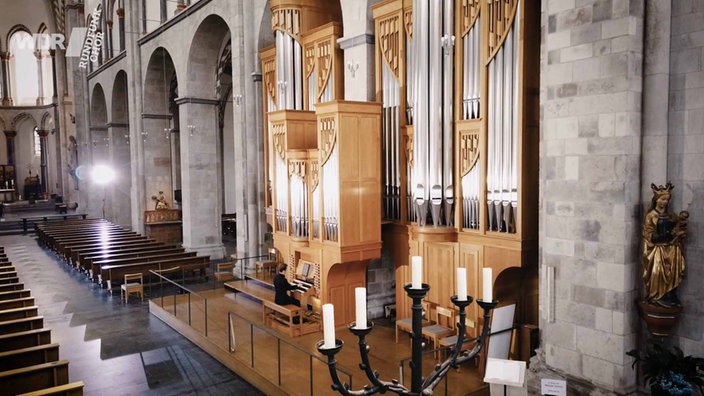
<point x="115" y="349"/>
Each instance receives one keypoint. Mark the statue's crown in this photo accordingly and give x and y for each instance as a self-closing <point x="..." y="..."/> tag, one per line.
<point x="660" y="190"/>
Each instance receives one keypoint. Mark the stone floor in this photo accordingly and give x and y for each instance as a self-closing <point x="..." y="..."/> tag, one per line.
<point x="115" y="349"/>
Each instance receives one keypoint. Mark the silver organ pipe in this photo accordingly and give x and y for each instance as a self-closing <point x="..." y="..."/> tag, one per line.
<point x="390" y="135"/>
<point x="316" y="212"/>
<point x="281" y="196"/>
<point x="330" y="179"/>
<point x="448" y="42"/>
<point x="410" y="97"/>
<point x="502" y="172"/>
<point x="289" y="69"/>
<point x="432" y="172"/>
<point x="471" y="74"/>
<point x="299" y="205"/>
<point x="470" y="194"/>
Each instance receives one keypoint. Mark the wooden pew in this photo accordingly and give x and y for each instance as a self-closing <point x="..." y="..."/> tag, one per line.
<point x="281" y="317"/>
<point x="69" y="249"/>
<point x="12" y="294"/>
<point x="112" y="273"/>
<point x="16" y="303"/>
<point x="95" y="269"/>
<point x="23" y="357"/>
<point x="86" y="260"/>
<point x="45" y="231"/>
<point x="11" y="286"/>
<point x="89" y="237"/>
<point x="6" y="281"/>
<point x="115" y="245"/>
<point x="80" y="256"/>
<point x="12" y="274"/>
<point x="24" y="339"/>
<point x="20" y="325"/>
<point x="32" y="378"/>
<point x="71" y="389"/>
<point x="18" y="313"/>
<point x="7" y="268"/>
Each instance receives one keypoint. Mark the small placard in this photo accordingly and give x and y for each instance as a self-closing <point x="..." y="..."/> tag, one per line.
<point x="553" y="387"/>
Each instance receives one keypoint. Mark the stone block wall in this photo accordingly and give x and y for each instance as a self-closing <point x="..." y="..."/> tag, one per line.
<point x="685" y="158"/>
<point x="381" y="281"/>
<point x="590" y="164"/>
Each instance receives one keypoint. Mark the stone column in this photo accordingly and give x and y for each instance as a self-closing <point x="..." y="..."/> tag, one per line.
<point x="590" y="165"/>
<point x="162" y="11"/>
<point x="121" y="27"/>
<point x="119" y="154"/>
<point x="10" y="140"/>
<point x="43" y="133"/>
<point x="359" y="67"/>
<point x="200" y="187"/>
<point x="108" y="38"/>
<point x="6" y="83"/>
<point x="40" y="78"/>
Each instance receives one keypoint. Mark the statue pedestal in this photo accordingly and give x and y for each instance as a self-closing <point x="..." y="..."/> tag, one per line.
<point x="659" y="320"/>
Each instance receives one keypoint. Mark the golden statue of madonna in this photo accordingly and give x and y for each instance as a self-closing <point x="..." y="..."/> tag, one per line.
<point x="663" y="257"/>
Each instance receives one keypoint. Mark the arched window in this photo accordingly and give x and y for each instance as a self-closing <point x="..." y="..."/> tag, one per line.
<point x="23" y="69"/>
<point x="37" y="143"/>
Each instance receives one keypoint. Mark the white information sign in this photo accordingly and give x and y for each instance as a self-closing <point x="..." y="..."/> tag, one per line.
<point x="553" y="387"/>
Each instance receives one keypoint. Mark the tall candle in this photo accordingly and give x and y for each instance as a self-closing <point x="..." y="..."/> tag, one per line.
<point x="416" y="272"/>
<point x="360" y="294"/>
<point x="461" y="284"/>
<point x="328" y="326"/>
<point x="487" y="285"/>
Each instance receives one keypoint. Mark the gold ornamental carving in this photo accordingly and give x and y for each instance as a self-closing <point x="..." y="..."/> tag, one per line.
<point x="269" y="75"/>
<point x="287" y="20"/>
<point x="500" y="14"/>
<point x="298" y="168"/>
<point x="314" y="174"/>
<point x="324" y="49"/>
<point x="408" y="22"/>
<point x="469" y="151"/>
<point x="309" y="60"/>
<point x="279" y="133"/>
<point x="328" y="135"/>
<point x="389" y="33"/>
<point x="470" y="13"/>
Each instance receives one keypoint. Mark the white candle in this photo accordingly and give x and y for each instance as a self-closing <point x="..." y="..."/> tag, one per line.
<point x="416" y="272"/>
<point x="487" y="285"/>
<point x="328" y="326"/>
<point x="360" y="294"/>
<point x="461" y="284"/>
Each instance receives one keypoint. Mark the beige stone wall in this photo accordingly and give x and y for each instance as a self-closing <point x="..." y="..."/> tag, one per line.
<point x="591" y="93"/>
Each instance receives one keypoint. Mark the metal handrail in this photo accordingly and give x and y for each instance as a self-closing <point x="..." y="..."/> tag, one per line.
<point x="188" y="291"/>
<point x="270" y="332"/>
<point x="247" y="258"/>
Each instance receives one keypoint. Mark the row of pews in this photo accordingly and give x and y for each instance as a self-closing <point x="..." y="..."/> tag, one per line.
<point x="106" y="252"/>
<point x="29" y="361"/>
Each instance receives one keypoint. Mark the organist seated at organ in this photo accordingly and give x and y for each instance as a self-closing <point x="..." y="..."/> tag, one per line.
<point x="301" y="285"/>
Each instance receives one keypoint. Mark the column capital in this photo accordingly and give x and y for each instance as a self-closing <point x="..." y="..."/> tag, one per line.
<point x="120" y="13"/>
<point x="52" y="53"/>
<point x="5" y="55"/>
<point x="43" y="132"/>
<point x="10" y="133"/>
<point x="349" y="42"/>
<point x="184" y="100"/>
<point x="38" y="55"/>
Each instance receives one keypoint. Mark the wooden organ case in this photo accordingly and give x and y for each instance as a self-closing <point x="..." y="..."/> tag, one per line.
<point x="458" y="82"/>
<point x="323" y="155"/>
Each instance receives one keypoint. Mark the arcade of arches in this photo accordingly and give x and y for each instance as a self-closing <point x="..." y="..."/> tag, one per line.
<point x="516" y="135"/>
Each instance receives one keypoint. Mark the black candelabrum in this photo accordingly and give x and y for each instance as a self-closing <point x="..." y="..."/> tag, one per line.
<point x="419" y="385"/>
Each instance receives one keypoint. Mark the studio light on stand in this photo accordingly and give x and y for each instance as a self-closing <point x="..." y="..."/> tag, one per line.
<point x="417" y="291"/>
<point x="103" y="175"/>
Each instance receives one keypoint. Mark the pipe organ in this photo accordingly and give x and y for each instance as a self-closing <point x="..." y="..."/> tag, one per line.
<point x="323" y="154"/>
<point x="459" y="168"/>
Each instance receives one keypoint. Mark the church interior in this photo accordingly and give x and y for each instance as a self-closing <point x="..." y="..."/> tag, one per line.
<point x="476" y="192"/>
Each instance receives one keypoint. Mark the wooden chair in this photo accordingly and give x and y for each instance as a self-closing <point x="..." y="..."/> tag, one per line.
<point x="223" y="272"/>
<point x="443" y="327"/>
<point x="448" y="343"/>
<point x="268" y="265"/>
<point x="406" y="324"/>
<point x="134" y="283"/>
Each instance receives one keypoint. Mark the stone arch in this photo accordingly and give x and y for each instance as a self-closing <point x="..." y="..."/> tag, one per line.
<point x="266" y="37"/>
<point x="203" y="57"/>
<point x="119" y="111"/>
<point x="20" y="118"/>
<point x="157" y="81"/>
<point x="98" y="107"/>
<point x="17" y="28"/>
<point x="46" y="119"/>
